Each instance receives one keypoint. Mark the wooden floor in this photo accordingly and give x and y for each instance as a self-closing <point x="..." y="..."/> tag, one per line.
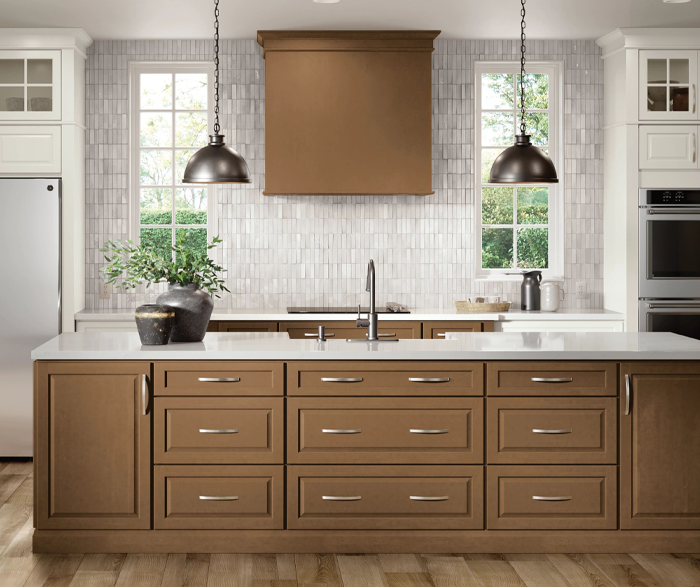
<point x="19" y="567"/>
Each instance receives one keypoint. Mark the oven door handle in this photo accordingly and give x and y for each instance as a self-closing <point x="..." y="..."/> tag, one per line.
<point x="655" y="211"/>
<point x="656" y="306"/>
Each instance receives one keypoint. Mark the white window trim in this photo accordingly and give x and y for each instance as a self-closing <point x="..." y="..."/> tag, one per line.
<point x="555" y="69"/>
<point x="136" y="68"/>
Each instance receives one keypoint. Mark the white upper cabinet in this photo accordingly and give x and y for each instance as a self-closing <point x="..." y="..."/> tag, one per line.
<point x="668" y="146"/>
<point x="30" y="85"/>
<point x="668" y="85"/>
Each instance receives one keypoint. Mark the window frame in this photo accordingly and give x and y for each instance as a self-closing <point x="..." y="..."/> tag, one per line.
<point x="136" y="68"/>
<point x="555" y="70"/>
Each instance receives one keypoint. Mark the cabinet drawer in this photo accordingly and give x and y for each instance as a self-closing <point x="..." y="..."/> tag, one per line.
<point x="551" y="498"/>
<point x="219" y="378"/>
<point x="347" y="329"/>
<point x="438" y="330"/>
<point x="385" y="497"/>
<point x="226" y="326"/>
<point x="550" y="379"/>
<point x="552" y="430"/>
<point x="385" y="430"/>
<point x="30" y="149"/>
<point x="218" y="430"/>
<point x="404" y="378"/>
<point x="218" y="498"/>
<point x="668" y="147"/>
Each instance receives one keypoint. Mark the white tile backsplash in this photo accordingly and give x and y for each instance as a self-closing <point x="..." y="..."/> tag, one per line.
<point x="294" y="250"/>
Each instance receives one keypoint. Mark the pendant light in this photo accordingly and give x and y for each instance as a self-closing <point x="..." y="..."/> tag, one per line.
<point x="216" y="163"/>
<point x="523" y="162"/>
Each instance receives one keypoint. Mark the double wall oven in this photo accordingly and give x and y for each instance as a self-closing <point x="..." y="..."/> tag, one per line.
<point x="669" y="261"/>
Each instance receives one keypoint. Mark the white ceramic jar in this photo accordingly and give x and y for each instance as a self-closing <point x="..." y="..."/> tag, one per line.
<point x="550" y="296"/>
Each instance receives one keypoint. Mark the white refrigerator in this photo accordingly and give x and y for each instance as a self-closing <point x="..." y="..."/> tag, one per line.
<point x="30" y="298"/>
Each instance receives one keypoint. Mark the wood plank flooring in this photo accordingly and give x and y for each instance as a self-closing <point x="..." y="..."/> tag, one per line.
<point x="19" y="567"/>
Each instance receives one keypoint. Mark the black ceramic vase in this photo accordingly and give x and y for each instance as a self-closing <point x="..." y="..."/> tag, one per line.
<point x="155" y="323"/>
<point x="193" y="307"/>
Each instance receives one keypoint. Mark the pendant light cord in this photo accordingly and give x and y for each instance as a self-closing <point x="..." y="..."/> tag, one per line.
<point x="523" y="129"/>
<point x="217" y="128"/>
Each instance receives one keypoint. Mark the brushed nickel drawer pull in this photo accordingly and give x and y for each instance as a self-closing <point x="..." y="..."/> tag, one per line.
<point x="436" y="431"/>
<point x="554" y="498"/>
<point x="429" y="379"/>
<point x="441" y="334"/>
<point x="551" y="379"/>
<point x="334" y="431"/>
<point x="144" y="394"/>
<point x="218" y="497"/>
<point x="342" y="497"/>
<point x="430" y="497"/>
<point x="213" y="431"/>
<point x="628" y="394"/>
<point x="342" y="379"/>
<point x="220" y="379"/>
<point x="310" y="334"/>
<point x="562" y="431"/>
<point x="384" y="335"/>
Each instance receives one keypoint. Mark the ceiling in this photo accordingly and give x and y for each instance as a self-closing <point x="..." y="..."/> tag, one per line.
<point x="472" y="19"/>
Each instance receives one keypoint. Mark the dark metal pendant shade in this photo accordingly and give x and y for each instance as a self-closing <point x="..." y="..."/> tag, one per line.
<point x="217" y="163"/>
<point x="523" y="163"/>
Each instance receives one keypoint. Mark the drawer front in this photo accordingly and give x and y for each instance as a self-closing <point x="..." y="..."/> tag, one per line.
<point x="439" y="330"/>
<point x="347" y="329"/>
<point x="385" y="430"/>
<point x="219" y="378"/>
<point x="224" y="430"/>
<point x="30" y="149"/>
<point x="551" y="379"/>
<point x="385" y="497"/>
<point x="226" y="326"/>
<point x="402" y="378"/>
<point x="218" y="498"/>
<point x="552" y="430"/>
<point x="551" y="498"/>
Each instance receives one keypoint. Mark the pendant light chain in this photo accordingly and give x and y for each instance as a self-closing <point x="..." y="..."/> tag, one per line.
<point x="523" y="129"/>
<point x="217" y="128"/>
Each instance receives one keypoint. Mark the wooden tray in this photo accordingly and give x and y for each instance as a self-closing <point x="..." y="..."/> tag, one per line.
<point x="482" y="307"/>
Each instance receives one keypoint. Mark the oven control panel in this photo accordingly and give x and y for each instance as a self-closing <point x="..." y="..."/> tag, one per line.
<point x="670" y="197"/>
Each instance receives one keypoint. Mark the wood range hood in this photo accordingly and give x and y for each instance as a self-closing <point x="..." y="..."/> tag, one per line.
<point x="348" y="112"/>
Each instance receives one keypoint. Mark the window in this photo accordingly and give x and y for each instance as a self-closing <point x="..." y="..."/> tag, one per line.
<point x="170" y="120"/>
<point x="517" y="226"/>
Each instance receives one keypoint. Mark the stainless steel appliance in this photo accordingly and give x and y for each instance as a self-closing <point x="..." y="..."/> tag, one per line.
<point x="669" y="261"/>
<point x="30" y="298"/>
<point x="669" y="244"/>
<point x="530" y="291"/>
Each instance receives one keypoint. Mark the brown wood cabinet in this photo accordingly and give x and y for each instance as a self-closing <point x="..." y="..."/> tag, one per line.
<point x="440" y="329"/>
<point x="344" y="329"/>
<point x="242" y="326"/>
<point x="540" y="378"/>
<point x="93" y="445"/>
<point x="385" y="430"/>
<point x="659" y="445"/>
<point x="549" y="431"/>
<point x="551" y="498"/>
<point x="384" y="497"/>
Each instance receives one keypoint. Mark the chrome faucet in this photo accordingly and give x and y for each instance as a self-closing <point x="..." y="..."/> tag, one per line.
<point x="372" y="321"/>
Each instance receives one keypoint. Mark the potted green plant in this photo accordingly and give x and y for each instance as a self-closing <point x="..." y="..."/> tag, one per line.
<point x="192" y="276"/>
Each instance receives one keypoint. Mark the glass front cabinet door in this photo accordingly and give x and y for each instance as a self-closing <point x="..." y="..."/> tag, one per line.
<point x="668" y="85"/>
<point x="30" y="85"/>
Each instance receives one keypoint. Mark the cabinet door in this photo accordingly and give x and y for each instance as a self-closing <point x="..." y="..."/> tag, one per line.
<point x="30" y="85"/>
<point x="93" y="443"/>
<point x="659" y="446"/>
<point x="668" y="85"/>
<point x="668" y="147"/>
<point x="441" y="330"/>
<point x="30" y="149"/>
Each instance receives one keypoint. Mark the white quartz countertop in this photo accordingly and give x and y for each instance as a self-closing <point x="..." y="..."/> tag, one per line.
<point x="615" y="346"/>
<point x="419" y="314"/>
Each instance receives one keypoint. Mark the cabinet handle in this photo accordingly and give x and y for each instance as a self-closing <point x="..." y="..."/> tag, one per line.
<point x="429" y="379"/>
<point x="553" y="498"/>
<point x="342" y="497"/>
<point x="442" y="334"/>
<point x="144" y="394"/>
<point x="218" y="497"/>
<point x="562" y="431"/>
<point x="436" y="431"/>
<point x="551" y="379"/>
<point x="219" y="379"/>
<point x="695" y="147"/>
<point x="334" y="431"/>
<point x="310" y="334"/>
<point x="429" y="497"/>
<point x="342" y="379"/>
<point x="695" y="98"/>
<point x="210" y="431"/>
<point x="628" y="394"/>
<point x="384" y="335"/>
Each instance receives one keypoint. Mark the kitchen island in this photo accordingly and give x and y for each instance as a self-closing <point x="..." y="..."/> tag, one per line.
<point x="487" y="442"/>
